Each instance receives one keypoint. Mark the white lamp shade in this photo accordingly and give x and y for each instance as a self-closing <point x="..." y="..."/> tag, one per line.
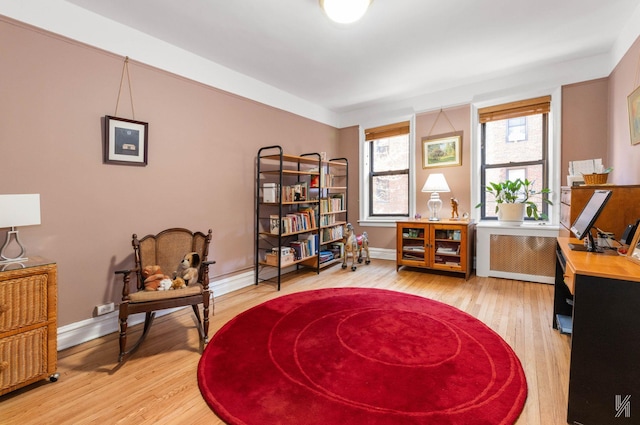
<point x="345" y="11"/>
<point x="19" y="210"/>
<point x="436" y="183"/>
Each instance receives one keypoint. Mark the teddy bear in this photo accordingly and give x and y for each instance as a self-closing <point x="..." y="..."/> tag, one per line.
<point x="155" y="279"/>
<point x="188" y="268"/>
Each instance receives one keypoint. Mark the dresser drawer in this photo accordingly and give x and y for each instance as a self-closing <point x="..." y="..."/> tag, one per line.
<point x="23" y="301"/>
<point x="23" y="358"/>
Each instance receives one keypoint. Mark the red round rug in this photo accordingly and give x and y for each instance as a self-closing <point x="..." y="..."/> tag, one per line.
<point x="360" y="356"/>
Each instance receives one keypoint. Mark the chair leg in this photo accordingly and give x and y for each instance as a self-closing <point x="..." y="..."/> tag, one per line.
<point x="148" y="321"/>
<point x="205" y="312"/>
<point x="123" y="337"/>
<point x="196" y="311"/>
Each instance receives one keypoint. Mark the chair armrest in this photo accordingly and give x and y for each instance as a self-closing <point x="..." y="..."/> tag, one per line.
<point x="125" y="281"/>
<point x="205" y="273"/>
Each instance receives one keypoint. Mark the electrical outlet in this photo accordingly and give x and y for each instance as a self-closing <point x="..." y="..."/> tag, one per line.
<point x="104" y="309"/>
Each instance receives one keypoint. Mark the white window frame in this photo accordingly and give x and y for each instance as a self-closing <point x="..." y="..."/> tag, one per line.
<point x="555" y="149"/>
<point x="363" y="172"/>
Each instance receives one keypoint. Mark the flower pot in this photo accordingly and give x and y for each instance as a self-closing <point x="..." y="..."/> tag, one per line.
<point x="511" y="214"/>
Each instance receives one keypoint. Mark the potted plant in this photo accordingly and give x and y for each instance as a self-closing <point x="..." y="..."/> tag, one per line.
<point x="514" y="199"/>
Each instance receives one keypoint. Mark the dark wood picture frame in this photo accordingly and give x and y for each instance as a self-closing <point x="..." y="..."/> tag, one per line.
<point x="125" y="141"/>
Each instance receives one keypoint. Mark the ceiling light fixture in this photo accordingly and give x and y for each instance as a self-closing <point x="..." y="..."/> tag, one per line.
<point x="345" y="11"/>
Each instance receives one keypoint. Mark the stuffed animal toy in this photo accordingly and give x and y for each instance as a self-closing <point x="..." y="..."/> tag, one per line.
<point x="188" y="268"/>
<point x="165" y="284"/>
<point x="178" y="283"/>
<point x="154" y="279"/>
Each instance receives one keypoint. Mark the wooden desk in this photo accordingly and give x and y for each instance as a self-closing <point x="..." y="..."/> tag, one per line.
<point x="601" y="294"/>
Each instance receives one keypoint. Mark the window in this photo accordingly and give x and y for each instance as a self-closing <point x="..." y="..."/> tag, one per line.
<point x="525" y="122"/>
<point x="386" y="172"/>
<point x="517" y="129"/>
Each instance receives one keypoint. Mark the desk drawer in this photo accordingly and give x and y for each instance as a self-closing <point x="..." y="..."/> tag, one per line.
<point x="570" y="277"/>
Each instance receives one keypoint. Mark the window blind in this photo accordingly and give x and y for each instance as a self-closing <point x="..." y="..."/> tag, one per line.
<point x="387" y="130"/>
<point x="538" y="105"/>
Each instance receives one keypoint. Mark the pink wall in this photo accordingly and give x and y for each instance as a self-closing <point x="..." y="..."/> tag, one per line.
<point x="622" y="81"/>
<point x="584" y="123"/>
<point x="458" y="177"/>
<point x="202" y="148"/>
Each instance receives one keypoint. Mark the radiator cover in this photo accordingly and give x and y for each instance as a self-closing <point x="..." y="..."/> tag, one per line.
<point x="533" y="255"/>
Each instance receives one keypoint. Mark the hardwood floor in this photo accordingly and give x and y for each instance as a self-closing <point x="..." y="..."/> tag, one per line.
<point x="158" y="385"/>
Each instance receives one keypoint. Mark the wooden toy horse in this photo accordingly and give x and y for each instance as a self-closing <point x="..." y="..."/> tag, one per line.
<point x="354" y="245"/>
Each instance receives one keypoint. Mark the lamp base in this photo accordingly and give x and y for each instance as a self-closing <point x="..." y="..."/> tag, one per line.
<point x="3" y="257"/>
<point x="13" y="260"/>
<point x="434" y="205"/>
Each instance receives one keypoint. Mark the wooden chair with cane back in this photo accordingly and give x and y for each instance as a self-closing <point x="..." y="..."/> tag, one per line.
<point x="166" y="249"/>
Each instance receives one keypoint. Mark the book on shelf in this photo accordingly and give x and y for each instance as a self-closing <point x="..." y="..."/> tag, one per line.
<point x="415" y="248"/>
<point x="311" y="215"/>
<point x="333" y="203"/>
<point x="337" y="247"/>
<point x="296" y="192"/>
<point x="304" y="248"/>
<point x="447" y="251"/>
<point x="275" y="224"/>
<point x="332" y="233"/>
<point x="326" y="256"/>
<point x="412" y="257"/>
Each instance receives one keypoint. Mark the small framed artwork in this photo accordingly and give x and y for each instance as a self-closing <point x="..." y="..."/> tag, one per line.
<point x="633" y="254"/>
<point x="442" y="150"/>
<point x="125" y="141"/>
<point x="633" y="101"/>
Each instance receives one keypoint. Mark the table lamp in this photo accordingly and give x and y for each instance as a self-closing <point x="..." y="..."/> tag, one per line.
<point x="435" y="183"/>
<point x="17" y="210"/>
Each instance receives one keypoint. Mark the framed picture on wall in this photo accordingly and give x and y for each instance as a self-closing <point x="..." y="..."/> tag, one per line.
<point x="633" y="101"/>
<point x="125" y="141"/>
<point x="442" y="150"/>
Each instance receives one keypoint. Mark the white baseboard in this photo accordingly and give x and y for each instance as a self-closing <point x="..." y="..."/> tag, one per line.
<point x="86" y="330"/>
<point x="96" y="327"/>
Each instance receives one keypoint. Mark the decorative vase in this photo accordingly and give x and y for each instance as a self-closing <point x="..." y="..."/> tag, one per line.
<point x="511" y="214"/>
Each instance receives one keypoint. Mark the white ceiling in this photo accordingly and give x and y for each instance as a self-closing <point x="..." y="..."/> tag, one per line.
<point x="400" y="50"/>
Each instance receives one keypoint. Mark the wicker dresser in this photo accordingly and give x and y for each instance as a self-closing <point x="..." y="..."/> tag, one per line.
<point x="28" y="329"/>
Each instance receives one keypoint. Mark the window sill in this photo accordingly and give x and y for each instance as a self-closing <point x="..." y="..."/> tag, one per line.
<point x="380" y="222"/>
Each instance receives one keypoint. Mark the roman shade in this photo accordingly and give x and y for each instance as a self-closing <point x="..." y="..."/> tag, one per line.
<point x="538" y="105"/>
<point x="387" y="130"/>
